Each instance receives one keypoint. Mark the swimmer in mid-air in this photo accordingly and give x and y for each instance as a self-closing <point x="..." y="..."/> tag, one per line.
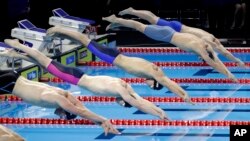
<point x="185" y="41"/>
<point x="179" y="27"/>
<point x="40" y="94"/>
<point x="9" y="135"/>
<point x="101" y="85"/>
<point x="154" y="75"/>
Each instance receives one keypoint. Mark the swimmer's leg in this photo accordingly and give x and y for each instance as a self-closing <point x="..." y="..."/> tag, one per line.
<point x="43" y="60"/>
<point x="143" y="14"/>
<point x="127" y="23"/>
<point x="71" y="35"/>
<point x="13" y="54"/>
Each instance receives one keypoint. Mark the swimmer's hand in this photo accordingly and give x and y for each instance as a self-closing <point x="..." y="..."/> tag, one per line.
<point x="188" y="100"/>
<point x="12" y="42"/>
<point x="109" y="128"/>
<point x="232" y="77"/>
<point x="161" y="114"/>
<point x="242" y="64"/>
<point x="164" y="117"/>
<point x="235" y="80"/>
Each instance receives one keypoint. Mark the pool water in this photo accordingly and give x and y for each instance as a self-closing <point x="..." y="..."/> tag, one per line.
<point x="175" y="111"/>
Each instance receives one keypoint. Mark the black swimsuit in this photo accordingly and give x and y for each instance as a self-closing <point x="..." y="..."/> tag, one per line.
<point x="7" y="81"/>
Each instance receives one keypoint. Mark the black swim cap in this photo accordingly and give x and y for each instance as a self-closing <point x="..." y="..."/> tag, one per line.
<point x="122" y="102"/>
<point x="64" y="114"/>
<point x="70" y="116"/>
<point x="210" y="54"/>
<point x="127" y="105"/>
<point x="156" y="85"/>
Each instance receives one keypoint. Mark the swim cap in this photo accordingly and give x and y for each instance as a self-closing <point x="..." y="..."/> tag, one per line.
<point x="156" y="85"/>
<point x="123" y="103"/>
<point x="127" y="105"/>
<point x="64" y="114"/>
<point x="210" y="54"/>
<point x="70" y="116"/>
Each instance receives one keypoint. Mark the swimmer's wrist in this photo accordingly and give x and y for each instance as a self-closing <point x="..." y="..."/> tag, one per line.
<point x="100" y="122"/>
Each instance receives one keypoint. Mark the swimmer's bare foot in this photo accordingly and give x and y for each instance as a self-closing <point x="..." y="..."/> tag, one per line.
<point x="12" y="42"/>
<point x="53" y="30"/>
<point x="110" y="18"/>
<point x="112" y="26"/>
<point x="8" y="53"/>
<point x="126" y="11"/>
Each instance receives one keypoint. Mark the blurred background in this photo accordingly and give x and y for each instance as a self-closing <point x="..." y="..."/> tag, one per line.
<point x="223" y="18"/>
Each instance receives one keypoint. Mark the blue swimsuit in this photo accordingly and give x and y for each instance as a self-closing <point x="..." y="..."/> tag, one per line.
<point x="173" y="24"/>
<point x="105" y="53"/>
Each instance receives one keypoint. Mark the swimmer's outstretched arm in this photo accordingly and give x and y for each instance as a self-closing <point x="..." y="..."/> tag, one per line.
<point x="221" y="49"/>
<point x="217" y="64"/>
<point x="189" y="42"/>
<point x="82" y="111"/>
<point x="175" y="88"/>
<point x="9" y="135"/>
<point x="128" y="95"/>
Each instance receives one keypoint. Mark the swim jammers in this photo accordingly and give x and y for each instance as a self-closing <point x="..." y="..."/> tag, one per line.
<point x="7" y="81"/>
<point x="107" y="54"/>
<point x="173" y="24"/>
<point x="66" y="73"/>
<point x="159" y="33"/>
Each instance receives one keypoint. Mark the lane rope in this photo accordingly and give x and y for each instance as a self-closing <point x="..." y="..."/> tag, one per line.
<point x="133" y="122"/>
<point x="161" y="64"/>
<point x="177" y="80"/>
<point x="152" y="99"/>
<point x="170" y="50"/>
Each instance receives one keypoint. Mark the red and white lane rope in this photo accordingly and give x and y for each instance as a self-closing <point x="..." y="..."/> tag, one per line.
<point x="177" y="80"/>
<point x="131" y="122"/>
<point x="152" y="99"/>
<point x="162" y="64"/>
<point x="170" y="50"/>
